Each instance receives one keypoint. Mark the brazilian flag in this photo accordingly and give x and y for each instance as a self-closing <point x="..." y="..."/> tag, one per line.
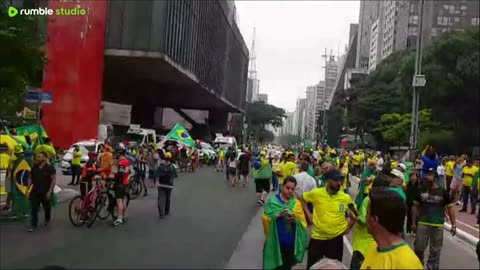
<point x="179" y="133"/>
<point x="21" y="172"/>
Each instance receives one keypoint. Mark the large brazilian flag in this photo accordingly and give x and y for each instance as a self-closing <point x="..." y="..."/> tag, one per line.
<point x="179" y="133"/>
<point x="20" y="174"/>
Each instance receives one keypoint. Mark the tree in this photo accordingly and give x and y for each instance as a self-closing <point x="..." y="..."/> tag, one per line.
<point x="394" y="128"/>
<point x="259" y="115"/>
<point x="451" y="67"/>
<point x="21" y="57"/>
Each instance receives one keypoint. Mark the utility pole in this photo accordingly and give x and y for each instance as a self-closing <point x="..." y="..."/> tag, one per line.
<point x="417" y="82"/>
<point x="324" y="100"/>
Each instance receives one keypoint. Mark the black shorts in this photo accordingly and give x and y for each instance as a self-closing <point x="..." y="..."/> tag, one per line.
<point x="232" y="171"/>
<point x="262" y="185"/>
<point x="120" y="191"/>
<point x="243" y="171"/>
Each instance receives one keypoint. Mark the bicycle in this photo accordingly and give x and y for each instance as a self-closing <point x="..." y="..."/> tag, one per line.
<point x="135" y="185"/>
<point x="87" y="210"/>
<point x="108" y="196"/>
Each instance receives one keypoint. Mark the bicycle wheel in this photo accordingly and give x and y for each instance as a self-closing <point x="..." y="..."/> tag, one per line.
<point x="103" y="206"/>
<point x="135" y="188"/>
<point x="75" y="211"/>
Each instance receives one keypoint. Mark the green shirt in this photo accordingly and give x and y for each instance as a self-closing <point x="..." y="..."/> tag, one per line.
<point x="431" y="203"/>
<point x="310" y="171"/>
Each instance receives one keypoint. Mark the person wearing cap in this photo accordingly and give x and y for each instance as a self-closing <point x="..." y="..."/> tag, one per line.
<point x="121" y="187"/>
<point x="431" y="201"/>
<point x="330" y="209"/>
<point x="47" y="148"/>
<point x="166" y="174"/>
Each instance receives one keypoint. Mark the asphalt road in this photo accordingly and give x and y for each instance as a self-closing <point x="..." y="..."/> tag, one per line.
<point x="208" y="219"/>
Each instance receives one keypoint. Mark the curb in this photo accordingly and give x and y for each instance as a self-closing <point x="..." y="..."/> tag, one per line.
<point x="462" y="235"/>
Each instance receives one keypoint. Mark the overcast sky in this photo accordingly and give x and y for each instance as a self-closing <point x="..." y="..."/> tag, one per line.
<point x="291" y="37"/>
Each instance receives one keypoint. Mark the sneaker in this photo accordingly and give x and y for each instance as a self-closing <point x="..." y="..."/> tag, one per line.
<point x="117" y="222"/>
<point x="31" y="229"/>
<point x="477" y="225"/>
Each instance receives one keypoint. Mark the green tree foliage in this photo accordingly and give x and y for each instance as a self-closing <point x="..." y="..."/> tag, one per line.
<point x="259" y="115"/>
<point x="21" y="59"/>
<point x="394" y="128"/>
<point x="451" y="67"/>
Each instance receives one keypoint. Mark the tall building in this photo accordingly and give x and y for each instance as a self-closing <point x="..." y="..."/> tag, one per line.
<point x="300" y="113"/>
<point x="313" y="108"/>
<point x="390" y="25"/>
<point x="253" y="83"/>
<point x="330" y="79"/>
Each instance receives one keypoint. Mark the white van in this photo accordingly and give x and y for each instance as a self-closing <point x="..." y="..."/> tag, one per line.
<point x="225" y="142"/>
<point x="137" y="135"/>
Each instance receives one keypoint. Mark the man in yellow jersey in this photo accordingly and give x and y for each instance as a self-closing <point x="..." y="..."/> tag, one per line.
<point x="468" y="172"/>
<point x="330" y="209"/>
<point x="289" y="168"/>
<point x="385" y="217"/>
<point x="76" y="165"/>
<point x="449" y="171"/>
<point x="431" y="201"/>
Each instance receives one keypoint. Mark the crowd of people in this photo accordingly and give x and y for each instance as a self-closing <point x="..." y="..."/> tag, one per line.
<point x="396" y="199"/>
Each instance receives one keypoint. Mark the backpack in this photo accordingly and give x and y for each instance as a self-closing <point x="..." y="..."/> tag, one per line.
<point x="165" y="175"/>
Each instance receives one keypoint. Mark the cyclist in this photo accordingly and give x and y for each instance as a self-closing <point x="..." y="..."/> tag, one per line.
<point x="121" y="187"/>
<point x="88" y="173"/>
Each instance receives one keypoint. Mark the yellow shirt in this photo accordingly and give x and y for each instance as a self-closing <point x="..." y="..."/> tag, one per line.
<point x="221" y="155"/>
<point x="328" y="212"/>
<point x="467" y="179"/>
<point x="357" y="160"/>
<point x="369" y="187"/>
<point x="399" y="256"/>
<point x="449" y="168"/>
<point x="287" y="169"/>
<point x="4" y="161"/>
<point x="361" y="239"/>
<point x="77" y="156"/>
<point x="344" y="172"/>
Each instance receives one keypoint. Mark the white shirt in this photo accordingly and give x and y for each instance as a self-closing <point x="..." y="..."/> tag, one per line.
<point x="304" y="183"/>
<point x="441" y="170"/>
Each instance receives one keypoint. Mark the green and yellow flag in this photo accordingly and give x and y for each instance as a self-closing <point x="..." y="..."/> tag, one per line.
<point x="179" y="133"/>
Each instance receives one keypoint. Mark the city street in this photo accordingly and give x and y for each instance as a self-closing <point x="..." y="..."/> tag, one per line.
<point x="212" y="226"/>
<point x="208" y="219"/>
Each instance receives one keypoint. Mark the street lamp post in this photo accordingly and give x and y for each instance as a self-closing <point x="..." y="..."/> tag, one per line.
<point x="418" y="81"/>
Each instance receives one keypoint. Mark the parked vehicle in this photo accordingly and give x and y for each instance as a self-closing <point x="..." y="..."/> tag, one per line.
<point x="91" y="146"/>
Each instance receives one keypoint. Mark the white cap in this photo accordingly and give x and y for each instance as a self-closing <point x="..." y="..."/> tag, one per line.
<point x="398" y="174"/>
<point x="403" y="166"/>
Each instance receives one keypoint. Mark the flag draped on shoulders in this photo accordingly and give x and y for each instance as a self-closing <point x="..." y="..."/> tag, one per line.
<point x="179" y="133"/>
<point x="272" y="257"/>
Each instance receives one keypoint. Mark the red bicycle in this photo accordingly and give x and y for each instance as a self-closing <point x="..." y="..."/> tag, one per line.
<point x="85" y="209"/>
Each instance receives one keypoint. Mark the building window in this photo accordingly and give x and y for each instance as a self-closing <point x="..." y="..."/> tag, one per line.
<point x="463" y="7"/>
<point x="475" y="21"/>
<point x="456" y="19"/>
<point x="445" y="20"/>
<point x="451" y="9"/>
<point x="415" y="19"/>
